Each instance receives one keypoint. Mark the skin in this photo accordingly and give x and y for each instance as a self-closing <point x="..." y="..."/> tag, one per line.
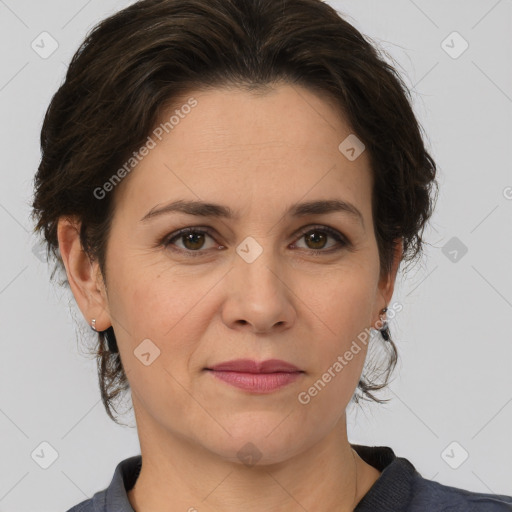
<point x="258" y="155"/>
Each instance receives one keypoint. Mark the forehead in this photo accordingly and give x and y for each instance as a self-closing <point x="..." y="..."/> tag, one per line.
<point x="280" y="146"/>
<point x="230" y="118"/>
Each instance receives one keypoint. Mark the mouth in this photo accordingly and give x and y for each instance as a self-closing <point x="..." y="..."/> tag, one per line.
<point x="252" y="366"/>
<point x="263" y="377"/>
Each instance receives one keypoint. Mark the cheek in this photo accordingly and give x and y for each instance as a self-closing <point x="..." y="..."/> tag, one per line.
<point x="341" y="349"/>
<point x="150" y="298"/>
<point x="153" y="314"/>
<point x="343" y="301"/>
<point x="155" y="302"/>
<point x="344" y="308"/>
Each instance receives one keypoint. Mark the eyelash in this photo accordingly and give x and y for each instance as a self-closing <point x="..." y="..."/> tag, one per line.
<point x="168" y="239"/>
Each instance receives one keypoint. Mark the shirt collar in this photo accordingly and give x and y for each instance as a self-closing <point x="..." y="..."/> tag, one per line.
<point x="392" y="489"/>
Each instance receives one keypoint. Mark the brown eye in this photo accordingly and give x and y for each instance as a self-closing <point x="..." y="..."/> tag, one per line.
<point x="316" y="239"/>
<point x="193" y="240"/>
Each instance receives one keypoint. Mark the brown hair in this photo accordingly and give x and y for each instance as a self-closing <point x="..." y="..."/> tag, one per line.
<point x="135" y="64"/>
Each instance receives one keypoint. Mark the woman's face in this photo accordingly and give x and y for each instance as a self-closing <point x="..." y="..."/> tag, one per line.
<point x="245" y="287"/>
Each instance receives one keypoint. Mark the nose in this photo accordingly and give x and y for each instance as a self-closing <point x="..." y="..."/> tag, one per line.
<point x="258" y="296"/>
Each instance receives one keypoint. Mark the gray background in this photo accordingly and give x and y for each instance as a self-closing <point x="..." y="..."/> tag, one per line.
<point x="453" y="382"/>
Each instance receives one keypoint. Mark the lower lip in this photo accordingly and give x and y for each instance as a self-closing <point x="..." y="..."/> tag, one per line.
<point x="257" y="382"/>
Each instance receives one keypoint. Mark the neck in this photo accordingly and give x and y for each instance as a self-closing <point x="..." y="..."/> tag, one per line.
<point x="329" y="476"/>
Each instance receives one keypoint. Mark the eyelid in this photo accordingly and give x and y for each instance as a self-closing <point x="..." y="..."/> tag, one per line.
<point x="166" y="240"/>
<point x="332" y="232"/>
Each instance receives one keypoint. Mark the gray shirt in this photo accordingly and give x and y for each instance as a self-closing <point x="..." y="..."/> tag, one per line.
<point x="400" y="488"/>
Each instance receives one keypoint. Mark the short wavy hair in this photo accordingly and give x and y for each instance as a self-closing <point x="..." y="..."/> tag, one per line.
<point x="134" y="65"/>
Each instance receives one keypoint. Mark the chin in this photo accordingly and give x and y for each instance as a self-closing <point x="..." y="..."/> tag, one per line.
<point x="262" y="441"/>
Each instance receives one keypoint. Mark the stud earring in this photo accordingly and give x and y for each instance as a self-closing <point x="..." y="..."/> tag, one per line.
<point x="93" y="324"/>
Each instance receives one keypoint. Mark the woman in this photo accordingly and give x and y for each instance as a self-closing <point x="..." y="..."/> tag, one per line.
<point x="230" y="187"/>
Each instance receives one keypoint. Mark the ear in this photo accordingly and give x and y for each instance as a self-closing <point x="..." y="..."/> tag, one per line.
<point x="84" y="275"/>
<point x="387" y="281"/>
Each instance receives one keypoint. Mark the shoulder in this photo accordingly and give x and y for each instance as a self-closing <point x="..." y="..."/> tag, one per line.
<point x="85" y="506"/>
<point x="400" y="488"/>
<point x="98" y="503"/>
<point x="114" y="497"/>
<point x="436" y="497"/>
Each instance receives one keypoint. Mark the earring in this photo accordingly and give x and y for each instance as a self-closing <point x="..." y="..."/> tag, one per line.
<point x="108" y="336"/>
<point x="384" y="331"/>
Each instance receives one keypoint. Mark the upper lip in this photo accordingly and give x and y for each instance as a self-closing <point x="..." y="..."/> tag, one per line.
<point x="251" y="366"/>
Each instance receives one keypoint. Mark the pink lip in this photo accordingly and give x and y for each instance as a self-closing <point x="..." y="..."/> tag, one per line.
<point x="250" y="366"/>
<point x="250" y="375"/>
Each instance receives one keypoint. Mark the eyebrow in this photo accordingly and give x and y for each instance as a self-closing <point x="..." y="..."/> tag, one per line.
<point x="204" y="209"/>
